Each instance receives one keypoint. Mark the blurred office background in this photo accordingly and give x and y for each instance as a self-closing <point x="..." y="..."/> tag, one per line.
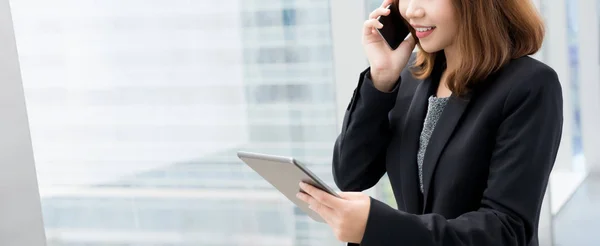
<point x="137" y="107"/>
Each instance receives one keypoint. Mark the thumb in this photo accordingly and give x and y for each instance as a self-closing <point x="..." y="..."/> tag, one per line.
<point x="408" y="44"/>
<point x="403" y="53"/>
<point x="350" y="195"/>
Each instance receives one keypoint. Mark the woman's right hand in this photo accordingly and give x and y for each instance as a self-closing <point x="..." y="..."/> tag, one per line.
<point x="386" y="64"/>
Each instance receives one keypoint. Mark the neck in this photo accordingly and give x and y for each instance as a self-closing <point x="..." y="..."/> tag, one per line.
<point x="451" y="54"/>
<point x="451" y="64"/>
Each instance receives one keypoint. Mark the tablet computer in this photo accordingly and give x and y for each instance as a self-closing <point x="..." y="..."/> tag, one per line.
<point x="285" y="173"/>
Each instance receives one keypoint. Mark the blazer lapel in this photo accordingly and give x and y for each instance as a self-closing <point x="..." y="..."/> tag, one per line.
<point x="439" y="138"/>
<point x="409" y="145"/>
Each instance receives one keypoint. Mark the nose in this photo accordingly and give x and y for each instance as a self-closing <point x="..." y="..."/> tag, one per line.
<point x="414" y="10"/>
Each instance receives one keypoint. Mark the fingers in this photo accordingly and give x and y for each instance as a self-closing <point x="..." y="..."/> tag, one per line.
<point x="379" y="12"/>
<point x="321" y="196"/>
<point x="370" y="26"/>
<point x="385" y="3"/>
<point x="325" y="212"/>
<point x="373" y="22"/>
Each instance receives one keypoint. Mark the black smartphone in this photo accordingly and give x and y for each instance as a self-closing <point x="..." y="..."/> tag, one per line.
<point x="395" y="27"/>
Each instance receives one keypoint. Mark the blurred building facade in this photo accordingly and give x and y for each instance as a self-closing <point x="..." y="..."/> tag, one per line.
<point x="138" y="108"/>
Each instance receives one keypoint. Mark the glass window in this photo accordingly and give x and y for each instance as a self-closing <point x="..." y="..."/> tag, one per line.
<point x="137" y="109"/>
<point x="289" y="17"/>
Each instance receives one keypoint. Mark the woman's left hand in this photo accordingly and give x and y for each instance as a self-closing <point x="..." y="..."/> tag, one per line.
<point x="347" y="216"/>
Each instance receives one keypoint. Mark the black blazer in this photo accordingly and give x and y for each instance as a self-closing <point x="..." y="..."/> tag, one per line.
<point x="486" y="166"/>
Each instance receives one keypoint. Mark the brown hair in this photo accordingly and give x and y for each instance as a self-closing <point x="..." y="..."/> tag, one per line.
<point x="491" y="33"/>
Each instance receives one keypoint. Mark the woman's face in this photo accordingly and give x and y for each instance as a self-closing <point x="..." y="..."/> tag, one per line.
<point x="435" y="22"/>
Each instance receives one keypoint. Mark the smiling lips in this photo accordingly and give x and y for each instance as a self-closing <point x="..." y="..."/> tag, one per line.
<point x="424" y="31"/>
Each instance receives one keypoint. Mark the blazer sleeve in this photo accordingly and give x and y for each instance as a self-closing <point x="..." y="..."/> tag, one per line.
<point x="526" y="146"/>
<point x="359" y="151"/>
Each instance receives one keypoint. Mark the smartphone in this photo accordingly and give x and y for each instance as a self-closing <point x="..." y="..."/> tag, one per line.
<point x="395" y="27"/>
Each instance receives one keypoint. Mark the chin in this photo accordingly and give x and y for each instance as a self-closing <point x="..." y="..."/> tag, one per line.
<point x="429" y="48"/>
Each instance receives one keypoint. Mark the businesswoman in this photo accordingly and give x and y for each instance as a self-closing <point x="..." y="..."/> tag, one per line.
<point x="467" y="130"/>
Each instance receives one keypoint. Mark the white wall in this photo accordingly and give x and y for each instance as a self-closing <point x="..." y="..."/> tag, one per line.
<point x="348" y="55"/>
<point x="545" y="229"/>
<point x="20" y="210"/>
<point x="556" y="55"/>
<point x="589" y="82"/>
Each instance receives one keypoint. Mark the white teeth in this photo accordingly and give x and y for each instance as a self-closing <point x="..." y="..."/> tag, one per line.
<point x="419" y="29"/>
